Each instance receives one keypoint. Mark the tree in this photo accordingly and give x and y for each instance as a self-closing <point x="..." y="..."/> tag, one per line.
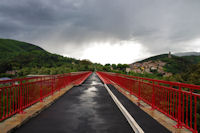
<point x="108" y="65"/>
<point x="114" y="66"/>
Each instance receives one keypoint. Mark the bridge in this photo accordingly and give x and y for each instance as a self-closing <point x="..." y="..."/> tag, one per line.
<point x="98" y="102"/>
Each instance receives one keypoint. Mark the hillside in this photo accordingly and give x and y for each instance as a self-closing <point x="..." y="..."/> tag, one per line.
<point x="13" y="46"/>
<point x="21" y="58"/>
<point x="154" y="58"/>
<point x="16" y="55"/>
<point x="165" y="64"/>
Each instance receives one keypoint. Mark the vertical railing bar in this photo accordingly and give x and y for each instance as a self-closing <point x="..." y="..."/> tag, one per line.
<point x="153" y="97"/>
<point x="4" y="108"/>
<point x="177" y="104"/>
<point x="10" y="101"/>
<point x="7" y="102"/>
<point x="195" y="113"/>
<point x="0" y="103"/>
<point x="183" y="108"/>
<point x="174" y="101"/>
<point x="13" y="100"/>
<point x="191" y="108"/>
<point x="187" y="110"/>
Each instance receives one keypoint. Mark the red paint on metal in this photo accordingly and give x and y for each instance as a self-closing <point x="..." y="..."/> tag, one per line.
<point x="176" y="100"/>
<point x="18" y="94"/>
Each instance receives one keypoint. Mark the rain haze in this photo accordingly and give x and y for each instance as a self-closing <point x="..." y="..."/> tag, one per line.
<point x="104" y="31"/>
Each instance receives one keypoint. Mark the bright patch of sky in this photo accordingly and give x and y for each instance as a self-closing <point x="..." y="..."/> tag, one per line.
<point x="124" y="52"/>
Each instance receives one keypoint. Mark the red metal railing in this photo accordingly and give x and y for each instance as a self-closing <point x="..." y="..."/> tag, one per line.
<point x="179" y="101"/>
<point x="18" y="94"/>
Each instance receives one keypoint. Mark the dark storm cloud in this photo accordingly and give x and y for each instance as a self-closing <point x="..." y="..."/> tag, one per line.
<point x="166" y="25"/>
<point x="159" y="25"/>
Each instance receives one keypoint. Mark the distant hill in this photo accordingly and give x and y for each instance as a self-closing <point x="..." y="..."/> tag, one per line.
<point x="154" y="58"/>
<point x="28" y="58"/>
<point x="187" y="54"/>
<point x="13" y="46"/>
<point x="174" y="64"/>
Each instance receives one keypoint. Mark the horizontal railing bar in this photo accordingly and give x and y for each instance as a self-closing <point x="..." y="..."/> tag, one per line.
<point x="14" y="98"/>
<point x="178" y="101"/>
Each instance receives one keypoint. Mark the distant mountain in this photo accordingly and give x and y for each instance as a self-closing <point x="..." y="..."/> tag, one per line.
<point x="188" y="54"/>
<point x="17" y="56"/>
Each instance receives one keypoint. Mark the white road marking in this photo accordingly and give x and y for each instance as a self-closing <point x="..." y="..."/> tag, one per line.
<point x="132" y="122"/>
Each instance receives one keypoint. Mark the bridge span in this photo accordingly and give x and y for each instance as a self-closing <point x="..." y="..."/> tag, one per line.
<point x="88" y="108"/>
<point x="86" y="102"/>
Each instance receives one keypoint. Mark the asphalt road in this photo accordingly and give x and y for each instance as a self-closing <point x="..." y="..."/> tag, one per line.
<point x="83" y="109"/>
<point x="145" y="121"/>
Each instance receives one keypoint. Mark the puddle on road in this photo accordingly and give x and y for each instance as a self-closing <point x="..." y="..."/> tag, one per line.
<point x="95" y="80"/>
<point x="87" y="109"/>
<point x="91" y="91"/>
<point x="88" y="97"/>
<point x="95" y="83"/>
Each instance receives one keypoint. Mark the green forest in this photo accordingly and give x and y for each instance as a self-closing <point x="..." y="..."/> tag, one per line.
<point x="21" y="59"/>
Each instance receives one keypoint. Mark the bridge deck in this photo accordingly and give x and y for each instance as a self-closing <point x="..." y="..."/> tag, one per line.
<point x="83" y="109"/>
<point x="146" y="122"/>
<point x="88" y="109"/>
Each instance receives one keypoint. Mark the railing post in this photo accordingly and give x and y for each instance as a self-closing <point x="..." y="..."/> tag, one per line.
<point x="153" y="97"/>
<point x="41" y="93"/>
<point x="195" y="114"/>
<point x="52" y="84"/>
<point x="139" y="87"/>
<point x="21" y="100"/>
<point x="179" y="125"/>
<point x="1" y="106"/>
<point x="131" y="86"/>
<point x="190" y="108"/>
<point x="62" y="83"/>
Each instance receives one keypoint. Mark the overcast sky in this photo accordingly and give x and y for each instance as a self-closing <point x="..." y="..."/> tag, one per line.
<point x="104" y="31"/>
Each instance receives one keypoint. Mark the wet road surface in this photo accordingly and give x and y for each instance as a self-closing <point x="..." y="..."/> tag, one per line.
<point x="83" y="109"/>
<point x="145" y="121"/>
